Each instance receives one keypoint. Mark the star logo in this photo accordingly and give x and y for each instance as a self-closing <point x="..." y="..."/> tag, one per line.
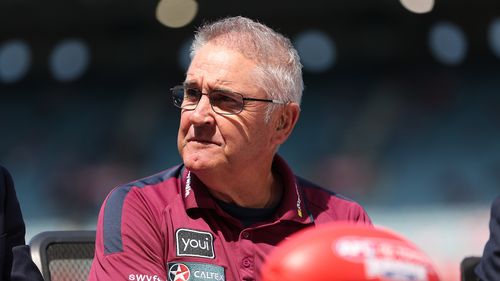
<point x="178" y="272"/>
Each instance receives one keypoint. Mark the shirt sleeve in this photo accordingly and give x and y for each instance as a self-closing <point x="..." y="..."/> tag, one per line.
<point x="12" y="229"/>
<point x="363" y="217"/>
<point x="355" y="213"/>
<point x="23" y="267"/>
<point x="129" y="241"/>
<point x="489" y="265"/>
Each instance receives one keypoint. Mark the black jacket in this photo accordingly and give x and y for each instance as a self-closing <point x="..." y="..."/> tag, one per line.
<point x="12" y="231"/>
<point x="488" y="268"/>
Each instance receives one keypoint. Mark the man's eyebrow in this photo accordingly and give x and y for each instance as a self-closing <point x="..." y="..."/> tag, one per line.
<point x="190" y="83"/>
<point x="194" y="84"/>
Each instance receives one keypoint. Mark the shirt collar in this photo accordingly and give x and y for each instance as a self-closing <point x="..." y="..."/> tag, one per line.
<point x="292" y="206"/>
<point x="195" y="193"/>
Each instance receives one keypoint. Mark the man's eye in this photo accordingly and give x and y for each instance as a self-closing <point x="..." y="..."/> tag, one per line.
<point x="221" y="97"/>
<point x="191" y="94"/>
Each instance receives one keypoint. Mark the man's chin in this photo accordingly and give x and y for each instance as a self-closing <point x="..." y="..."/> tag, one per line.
<point x="196" y="163"/>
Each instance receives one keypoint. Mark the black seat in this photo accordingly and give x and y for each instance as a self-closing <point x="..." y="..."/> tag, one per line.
<point x="63" y="255"/>
<point x="467" y="268"/>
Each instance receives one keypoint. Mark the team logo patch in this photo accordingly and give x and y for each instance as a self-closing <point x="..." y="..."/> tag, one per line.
<point x="194" y="243"/>
<point x="178" y="272"/>
<point x="194" y="271"/>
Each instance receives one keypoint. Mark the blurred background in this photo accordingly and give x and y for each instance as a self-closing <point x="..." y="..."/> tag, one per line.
<point x="400" y="111"/>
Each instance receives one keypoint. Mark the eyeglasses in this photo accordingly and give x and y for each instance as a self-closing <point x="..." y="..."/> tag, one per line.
<point x="222" y="102"/>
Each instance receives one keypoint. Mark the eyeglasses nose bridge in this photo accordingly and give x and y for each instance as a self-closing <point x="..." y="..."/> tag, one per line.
<point x="200" y="100"/>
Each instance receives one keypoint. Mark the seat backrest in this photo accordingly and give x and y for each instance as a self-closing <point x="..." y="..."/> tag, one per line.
<point x="63" y="255"/>
<point x="467" y="268"/>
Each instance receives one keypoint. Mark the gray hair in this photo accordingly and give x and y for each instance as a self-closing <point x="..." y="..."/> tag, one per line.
<point x="279" y="67"/>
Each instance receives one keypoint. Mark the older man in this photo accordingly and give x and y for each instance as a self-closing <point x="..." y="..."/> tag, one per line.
<point x="217" y="216"/>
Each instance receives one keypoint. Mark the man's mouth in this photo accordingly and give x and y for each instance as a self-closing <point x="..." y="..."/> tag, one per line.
<point x="202" y="141"/>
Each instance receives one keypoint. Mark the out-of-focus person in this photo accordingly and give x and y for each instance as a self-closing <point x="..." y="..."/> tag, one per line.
<point x="15" y="259"/>
<point x="488" y="268"/>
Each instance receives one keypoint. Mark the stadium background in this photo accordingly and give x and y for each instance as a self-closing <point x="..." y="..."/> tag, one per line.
<point x="400" y="110"/>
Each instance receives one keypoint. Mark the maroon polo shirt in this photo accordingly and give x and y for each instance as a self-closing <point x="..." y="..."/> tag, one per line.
<point x="168" y="227"/>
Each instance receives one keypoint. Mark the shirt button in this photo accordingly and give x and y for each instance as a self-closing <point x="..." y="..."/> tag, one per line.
<point x="246" y="235"/>
<point x="247" y="262"/>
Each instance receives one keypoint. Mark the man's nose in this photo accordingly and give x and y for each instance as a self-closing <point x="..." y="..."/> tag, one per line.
<point x="203" y="112"/>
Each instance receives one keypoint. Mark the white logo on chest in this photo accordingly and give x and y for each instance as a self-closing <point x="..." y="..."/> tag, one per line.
<point x="194" y="243"/>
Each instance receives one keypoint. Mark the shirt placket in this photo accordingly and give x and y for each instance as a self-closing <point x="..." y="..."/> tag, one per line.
<point x="247" y="256"/>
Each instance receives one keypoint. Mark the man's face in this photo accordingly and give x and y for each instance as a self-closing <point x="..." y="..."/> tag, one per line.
<point x="209" y="142"/>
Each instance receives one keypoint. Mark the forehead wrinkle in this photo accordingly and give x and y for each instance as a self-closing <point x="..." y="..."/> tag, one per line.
<point x="198" y="75"/>
<point x="210" y="85"/>
<point x="222" y="83"/>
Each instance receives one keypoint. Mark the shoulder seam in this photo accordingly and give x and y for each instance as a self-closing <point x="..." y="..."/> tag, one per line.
<point x="113" y="208"/>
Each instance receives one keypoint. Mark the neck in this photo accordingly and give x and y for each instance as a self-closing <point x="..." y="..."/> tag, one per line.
<point x="246" y="189"/>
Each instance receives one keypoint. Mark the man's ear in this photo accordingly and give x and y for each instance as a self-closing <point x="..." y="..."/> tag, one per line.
<point x="286" y="122"/>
